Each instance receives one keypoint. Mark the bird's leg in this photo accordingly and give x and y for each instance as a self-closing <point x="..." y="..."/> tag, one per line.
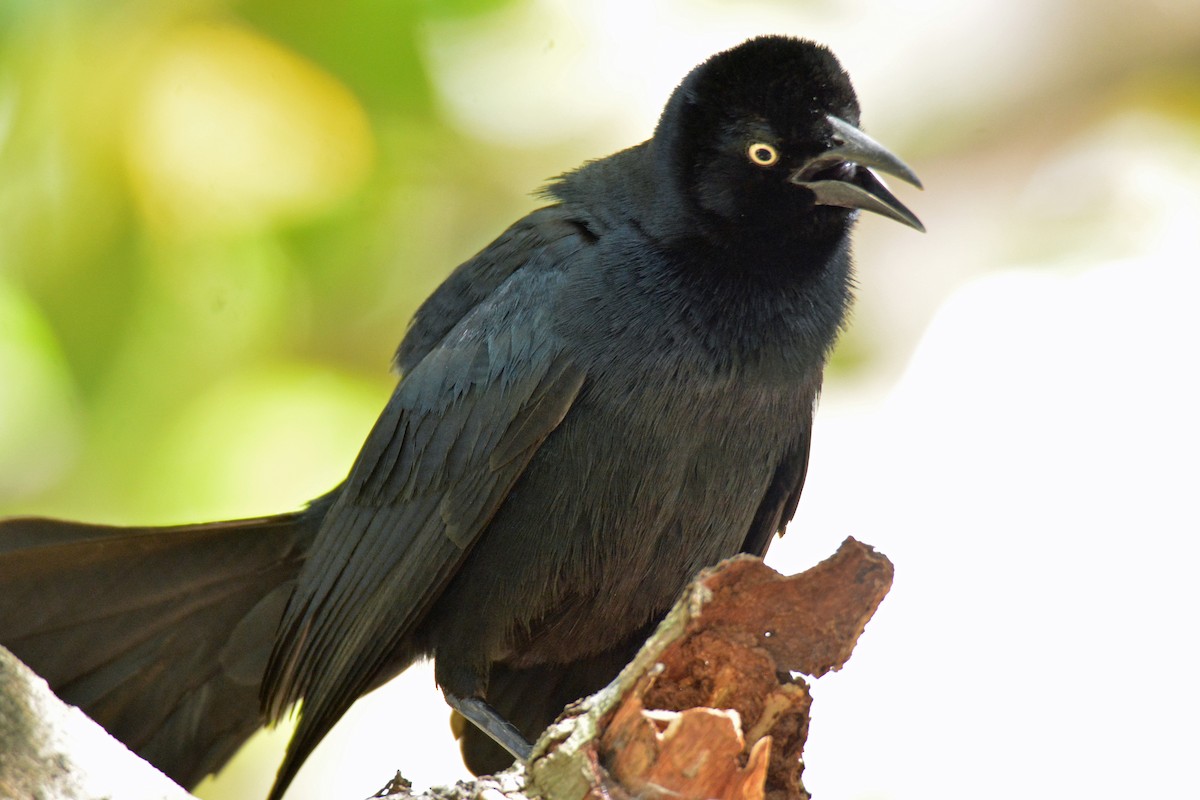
<point x="488" y="720"/>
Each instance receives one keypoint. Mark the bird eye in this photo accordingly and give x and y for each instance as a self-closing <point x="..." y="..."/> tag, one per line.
<point x="762" y="154"/>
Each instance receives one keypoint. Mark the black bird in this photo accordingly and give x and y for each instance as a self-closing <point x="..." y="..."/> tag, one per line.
<point x="615" y="393"/>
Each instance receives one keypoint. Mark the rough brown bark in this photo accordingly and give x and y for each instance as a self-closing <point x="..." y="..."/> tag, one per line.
<point x="710" y="707"/>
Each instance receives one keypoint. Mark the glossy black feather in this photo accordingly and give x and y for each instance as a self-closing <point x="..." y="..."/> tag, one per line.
<point x="159" y="634"/>
<point x="614" y="394"/>
<point x="417" y="499"/>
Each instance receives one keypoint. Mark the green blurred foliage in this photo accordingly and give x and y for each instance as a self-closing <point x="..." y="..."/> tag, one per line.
<point x="215" y="221"/>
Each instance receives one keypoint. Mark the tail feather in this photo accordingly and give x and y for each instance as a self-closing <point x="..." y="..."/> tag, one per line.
<point x="159" y="634"/>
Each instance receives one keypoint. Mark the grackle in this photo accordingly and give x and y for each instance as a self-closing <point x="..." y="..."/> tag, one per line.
<point x="614" y="394"/>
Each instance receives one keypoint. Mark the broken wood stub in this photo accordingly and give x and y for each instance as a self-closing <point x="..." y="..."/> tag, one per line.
<point x="709" y="707"/>
<point x="720" y="714"/>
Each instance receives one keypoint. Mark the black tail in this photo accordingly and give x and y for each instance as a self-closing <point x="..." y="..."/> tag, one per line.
<point x="159" y="634"/>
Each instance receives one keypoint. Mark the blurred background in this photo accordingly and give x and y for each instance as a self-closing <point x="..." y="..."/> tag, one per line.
<point x="216" y="218"/>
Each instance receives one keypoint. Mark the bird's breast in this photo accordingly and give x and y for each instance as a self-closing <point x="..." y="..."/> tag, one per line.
<point x="650" y="478"/>
<point x="690" y="403"/>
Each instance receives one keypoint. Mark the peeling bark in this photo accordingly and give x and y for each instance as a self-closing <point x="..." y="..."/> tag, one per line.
<point x="710" y="707"/>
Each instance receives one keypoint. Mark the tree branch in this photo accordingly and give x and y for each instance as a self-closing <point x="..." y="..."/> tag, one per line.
<point x="710" y="706"/>
<point x="52" y="751"/>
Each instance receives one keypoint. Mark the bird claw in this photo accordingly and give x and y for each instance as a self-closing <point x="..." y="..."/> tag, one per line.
<point x="489" y="720"/>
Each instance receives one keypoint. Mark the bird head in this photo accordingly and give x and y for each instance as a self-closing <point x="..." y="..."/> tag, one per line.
<point x="766" y="135"/>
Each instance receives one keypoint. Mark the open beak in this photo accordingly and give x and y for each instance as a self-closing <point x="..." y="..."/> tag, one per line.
<point x="842" y="176"/>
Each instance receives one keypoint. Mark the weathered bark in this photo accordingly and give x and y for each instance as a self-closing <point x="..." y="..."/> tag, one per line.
<point x="710" y="707"/>
<point x="51" y="751"/>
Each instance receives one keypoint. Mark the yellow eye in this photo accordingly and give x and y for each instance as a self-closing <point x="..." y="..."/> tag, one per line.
<point x="762" y="154"/>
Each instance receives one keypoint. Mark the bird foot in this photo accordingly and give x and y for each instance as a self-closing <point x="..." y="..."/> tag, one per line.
<point x="488" y="720"/>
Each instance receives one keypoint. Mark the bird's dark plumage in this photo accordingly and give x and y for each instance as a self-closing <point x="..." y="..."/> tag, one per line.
<point x="614" y="394"/>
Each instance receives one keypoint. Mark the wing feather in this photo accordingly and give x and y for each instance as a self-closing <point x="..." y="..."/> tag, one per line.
<point x="458" y="432"/>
